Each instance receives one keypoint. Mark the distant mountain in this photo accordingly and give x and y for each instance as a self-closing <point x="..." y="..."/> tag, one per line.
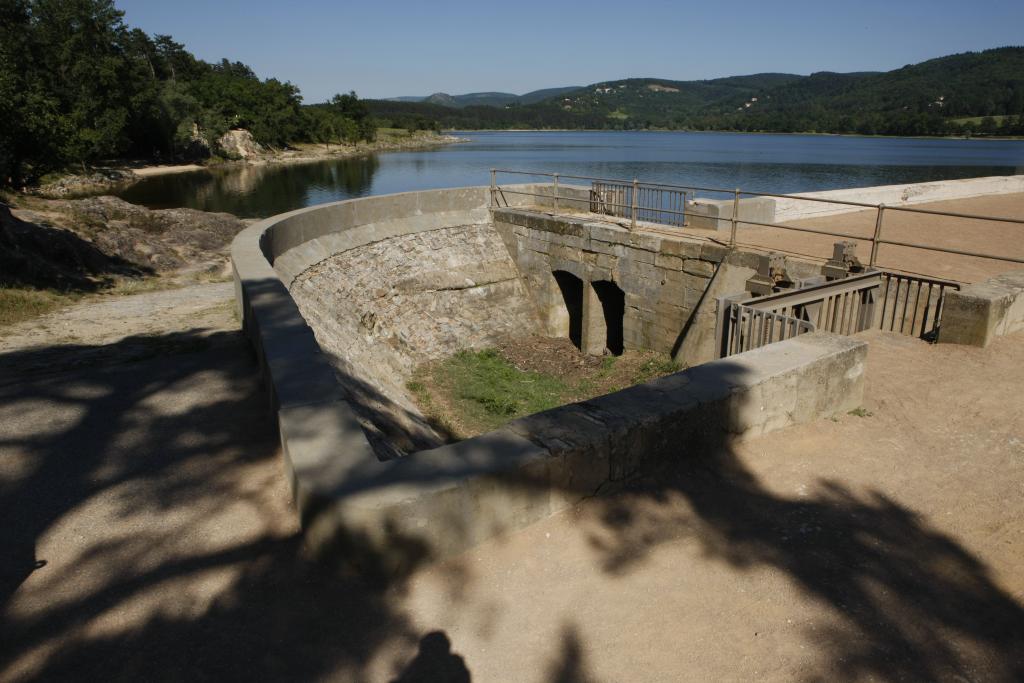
<point x="486" y="99"/>
<point x="935" y="97"/>
<point x="547" y="93"/>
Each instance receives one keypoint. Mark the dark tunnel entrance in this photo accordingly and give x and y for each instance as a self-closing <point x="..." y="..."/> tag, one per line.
<point x="572" y="293"/>
<point x="613" y="304"/>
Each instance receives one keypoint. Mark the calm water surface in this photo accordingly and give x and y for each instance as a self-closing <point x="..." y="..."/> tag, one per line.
<point x="770" y="163"/>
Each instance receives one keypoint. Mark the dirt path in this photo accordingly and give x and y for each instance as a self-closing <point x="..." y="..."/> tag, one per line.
<point x="148" y="535"/>
<point x="130" y="326"/>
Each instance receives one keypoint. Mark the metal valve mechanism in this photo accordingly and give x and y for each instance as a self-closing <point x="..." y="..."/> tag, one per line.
<point x="844" y="261"/>
<point x="772" y="275"/>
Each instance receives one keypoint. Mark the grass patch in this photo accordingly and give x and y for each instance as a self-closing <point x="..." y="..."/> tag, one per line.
<point x="18" y="304"/>
<point x="474" y="392"/>
<point x="488" y="391"/>
<point x="978" y="119"/>
<point x="655" y="367"/>
<point x="861" y="412"/>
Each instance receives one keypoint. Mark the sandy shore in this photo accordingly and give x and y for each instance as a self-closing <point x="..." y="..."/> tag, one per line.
<point x="121" y="174"/>
<point x="146" y="171"/>
<point x="301" y="153"/>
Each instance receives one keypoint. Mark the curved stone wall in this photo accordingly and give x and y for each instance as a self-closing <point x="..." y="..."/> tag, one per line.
<point x="387" y="281"/>
<point x="381" y="309"/>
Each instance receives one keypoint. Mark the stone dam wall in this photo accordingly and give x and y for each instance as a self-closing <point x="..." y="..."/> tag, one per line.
<point x="341" y="301"/>
<point x="670" y="284"/>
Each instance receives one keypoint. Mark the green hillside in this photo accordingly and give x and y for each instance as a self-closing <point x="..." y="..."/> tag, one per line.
<point x="488" y="99"/>
<point x="938" y="97"/>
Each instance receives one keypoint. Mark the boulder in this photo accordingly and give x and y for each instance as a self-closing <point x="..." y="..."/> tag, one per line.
<point x="238" y="143"/>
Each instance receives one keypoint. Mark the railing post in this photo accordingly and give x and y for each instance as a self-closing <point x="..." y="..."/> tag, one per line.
<point x="636" y="188"/>
<point x="686" y="219"/>
<point x="735" y="216"/>
<point x="555" y="193"/>
<point x="494" y="186"/>
<point x="877" y="236"/>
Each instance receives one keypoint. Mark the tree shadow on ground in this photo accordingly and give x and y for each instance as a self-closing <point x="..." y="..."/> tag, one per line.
<point x="180" y="561"/>
<point x="910" y="602"/>
<point x="161" y="449"/>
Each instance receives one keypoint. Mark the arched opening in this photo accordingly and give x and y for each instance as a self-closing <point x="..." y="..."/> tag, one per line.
<point x="572" y="294"/>
<point x="613" y="304"/>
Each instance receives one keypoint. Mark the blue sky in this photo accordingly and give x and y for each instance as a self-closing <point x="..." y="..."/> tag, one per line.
<point x="395" y="47"/>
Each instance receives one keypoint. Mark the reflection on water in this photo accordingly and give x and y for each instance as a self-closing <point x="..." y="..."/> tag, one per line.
<point x="257" y="190"/>
<point x="772" y="163"/>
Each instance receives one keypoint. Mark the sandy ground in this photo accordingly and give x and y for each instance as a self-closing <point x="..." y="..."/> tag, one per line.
<point x="884" y="547"/>
<point x="146" y="171"/>
<point x="1004" y="239"/>
<point x="148" y="535"/>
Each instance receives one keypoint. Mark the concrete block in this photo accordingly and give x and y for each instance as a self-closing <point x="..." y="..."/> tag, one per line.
<point x="979" y="313"/>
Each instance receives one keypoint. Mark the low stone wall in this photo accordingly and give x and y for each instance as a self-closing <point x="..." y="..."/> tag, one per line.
<point x="385" y="516"/>
<point x="979" y="313"/>
<point x="388" y="518"/>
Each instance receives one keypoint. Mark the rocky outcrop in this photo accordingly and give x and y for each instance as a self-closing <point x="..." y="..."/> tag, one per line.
<point x="99" y="180"/>
<point x="154" y="241"/>
<point x="40" y="256"/>
<point x="239" y="144"/>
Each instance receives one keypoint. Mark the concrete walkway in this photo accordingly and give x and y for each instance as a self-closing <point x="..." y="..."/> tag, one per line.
<point x="148" y="535"/>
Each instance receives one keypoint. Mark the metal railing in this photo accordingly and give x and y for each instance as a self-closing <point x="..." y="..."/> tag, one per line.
<point x="669" y="204"/>
<point x="872" y="300"/>
<point x="843" y="306"/>
<point x="896" y="296"/>
<point x="665" y="206"/>
<point x="751" y="328"/>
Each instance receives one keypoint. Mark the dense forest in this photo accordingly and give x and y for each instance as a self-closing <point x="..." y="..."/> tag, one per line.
<point x="77" y="85"/>
<point x="975" y="93"/>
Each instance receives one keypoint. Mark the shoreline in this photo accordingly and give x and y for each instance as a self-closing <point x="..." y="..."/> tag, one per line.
<point x="1004" y="138"/>
<point x="123" y="174"/>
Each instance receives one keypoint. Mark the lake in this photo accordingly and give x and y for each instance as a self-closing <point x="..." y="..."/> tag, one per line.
<point x="757" y="162"/>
